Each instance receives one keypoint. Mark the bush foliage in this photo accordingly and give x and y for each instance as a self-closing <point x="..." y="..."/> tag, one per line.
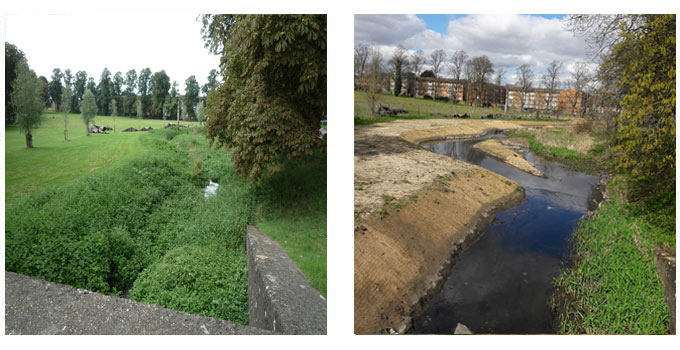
<point x="102" y="232"/>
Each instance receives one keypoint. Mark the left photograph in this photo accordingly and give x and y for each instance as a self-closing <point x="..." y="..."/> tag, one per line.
<point x="165" y="174"/>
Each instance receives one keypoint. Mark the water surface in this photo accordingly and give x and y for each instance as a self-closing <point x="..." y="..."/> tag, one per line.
<point x="502" y="283"/>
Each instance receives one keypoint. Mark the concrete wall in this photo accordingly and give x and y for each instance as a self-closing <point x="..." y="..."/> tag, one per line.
<point x="280" y="298"/>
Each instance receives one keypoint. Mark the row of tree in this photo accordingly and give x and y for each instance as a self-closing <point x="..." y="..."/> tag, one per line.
<point x="158" y="97"/>
<point x="479" y="71"/>
<point x="116" y="92"/>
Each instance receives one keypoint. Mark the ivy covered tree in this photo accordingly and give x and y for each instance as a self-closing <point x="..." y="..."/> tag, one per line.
<point x="26" y="100"/>
<point x="646" y="125"/>
<point x="88" y="108"/>
<point x="273" y="96"/>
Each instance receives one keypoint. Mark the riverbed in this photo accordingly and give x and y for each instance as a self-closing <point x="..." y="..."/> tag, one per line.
<point x="503" y="282"/>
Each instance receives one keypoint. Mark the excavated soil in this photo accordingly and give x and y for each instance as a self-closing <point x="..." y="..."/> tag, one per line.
<point x="498" y="150"/>
<point x="415" y="210"/>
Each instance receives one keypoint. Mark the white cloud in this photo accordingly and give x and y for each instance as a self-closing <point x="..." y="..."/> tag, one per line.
<point x="117" y="41"/>
<point x="508" y="40"/>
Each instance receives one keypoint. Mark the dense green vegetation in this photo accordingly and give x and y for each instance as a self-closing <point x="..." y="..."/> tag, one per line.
<point x="613" y="287"/>
<point x="143" y="223"/>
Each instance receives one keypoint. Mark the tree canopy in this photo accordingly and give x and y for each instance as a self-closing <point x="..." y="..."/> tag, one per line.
<point x="12" y="57"/>
<point x="26" y="100"/>
<point x="646" y="132"/>
<point x="273" y="96"/>
<point x="88" y="108"/>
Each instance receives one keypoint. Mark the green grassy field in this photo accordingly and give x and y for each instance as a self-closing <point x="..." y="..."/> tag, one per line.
<point x="53" y="161"/>
<point x="421" y="107"/>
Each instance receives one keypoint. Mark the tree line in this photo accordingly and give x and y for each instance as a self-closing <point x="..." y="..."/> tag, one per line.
<point x="116" y="93"/>
<point x="372" y="72"/>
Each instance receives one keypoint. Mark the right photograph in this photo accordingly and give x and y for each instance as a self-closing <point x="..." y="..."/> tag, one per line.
<point x="514" y="174"/>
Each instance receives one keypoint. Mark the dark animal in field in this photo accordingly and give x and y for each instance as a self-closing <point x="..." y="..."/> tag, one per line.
<point x="465" y="116"/>
<point x="130" y="130"/>
<point x="107" y="128"/>
<point x="147" y="128"/>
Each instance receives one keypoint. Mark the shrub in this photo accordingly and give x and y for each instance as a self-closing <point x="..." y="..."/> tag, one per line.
<point x="201" y="279"/>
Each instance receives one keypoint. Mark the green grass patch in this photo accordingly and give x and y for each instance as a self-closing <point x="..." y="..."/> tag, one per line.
<point x="419" y="108"/>
<point x="55" y="162"/>
<point x="292" y="211"/>
<point x="613" y="287"/>
<point x="555" y="152"/>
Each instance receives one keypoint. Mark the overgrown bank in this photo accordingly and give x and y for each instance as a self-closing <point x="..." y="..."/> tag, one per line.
<point x="611" y="285"/>
<point x="145" y="224"/>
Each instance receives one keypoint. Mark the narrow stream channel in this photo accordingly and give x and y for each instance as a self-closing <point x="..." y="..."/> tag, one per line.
<point x="502" y="283"/>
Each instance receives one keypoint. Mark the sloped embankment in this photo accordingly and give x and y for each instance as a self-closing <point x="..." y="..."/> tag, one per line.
<point x="415" y="210"/>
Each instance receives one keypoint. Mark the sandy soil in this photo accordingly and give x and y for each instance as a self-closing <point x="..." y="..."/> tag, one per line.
<point x="415" y="210"/>
<point x="497" y="149"/>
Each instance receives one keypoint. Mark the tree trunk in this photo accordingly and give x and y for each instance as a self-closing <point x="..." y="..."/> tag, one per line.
<point x="65" y="135"/>
<point x="87" y="127"/>
<point x="29" y="140"/>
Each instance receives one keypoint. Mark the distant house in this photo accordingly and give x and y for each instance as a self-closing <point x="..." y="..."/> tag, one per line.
<point x="464" y="91"/>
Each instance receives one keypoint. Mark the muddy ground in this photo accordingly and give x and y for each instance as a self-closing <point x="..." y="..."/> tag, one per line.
<point x="414" y="211"/>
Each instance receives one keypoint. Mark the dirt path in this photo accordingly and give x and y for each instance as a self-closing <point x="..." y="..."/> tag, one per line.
<point x="415" y="210"/>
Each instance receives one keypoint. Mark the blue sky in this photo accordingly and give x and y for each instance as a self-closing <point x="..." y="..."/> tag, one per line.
<point x="439" y="22"/>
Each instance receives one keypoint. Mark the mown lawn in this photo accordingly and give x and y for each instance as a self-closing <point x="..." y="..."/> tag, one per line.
<point x="54" y="162"/>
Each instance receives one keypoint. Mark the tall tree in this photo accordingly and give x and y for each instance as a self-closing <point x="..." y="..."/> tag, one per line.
<point x="12" y="57"/>
<point x="437" y="58"/>
<point x="191" y="91"/>
<point x="114" y="112"/>
<point x="212" y="83"/>
<point x="373" y="78"/>
<point x="200" y="112"/>
<point x="55" y="86"/>
<point x="551" y="82"/>
<point x="140" y="110"/>
<point x="88" y="108"/>
<point x="160" y="84"/>
<point x="26" y="100"/>
<point x="271" y="106"/>
<point x="66" y="107"/>
<point x="104" y="93"/>
<point x="456" y="66"/>
<point x="580" y="77"/>
<point x="44" y="94"/>
<point x="68" y="78"/>
<point x="144" y="89"/>
<point x="481" y="69"/>
<point x="117" y="91"/>
<point x="399" y="63"/>
<point x="78" y="91"/>
<point x="417" y="61"/>
<point x="361" y="53"/>
<point x="172" y="100"/>
<point x="525" y="78"/>
<point x="92" y="86"/>
<point x="645" y="137"/>
<point x="130" y="97"/>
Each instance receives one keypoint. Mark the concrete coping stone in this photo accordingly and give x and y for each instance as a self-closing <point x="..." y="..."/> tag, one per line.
<point x="36" y="306"/>
<point x="280" y="297"/>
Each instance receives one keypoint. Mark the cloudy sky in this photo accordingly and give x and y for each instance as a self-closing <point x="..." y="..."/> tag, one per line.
<point x="508" y="40"/>
<point x="118" y="41"/>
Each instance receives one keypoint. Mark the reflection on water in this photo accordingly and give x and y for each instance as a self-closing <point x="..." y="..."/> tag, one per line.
<point x="502" y="283"/>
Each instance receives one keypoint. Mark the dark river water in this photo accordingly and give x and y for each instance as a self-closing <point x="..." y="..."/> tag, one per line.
<point x="502" y="283"/>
